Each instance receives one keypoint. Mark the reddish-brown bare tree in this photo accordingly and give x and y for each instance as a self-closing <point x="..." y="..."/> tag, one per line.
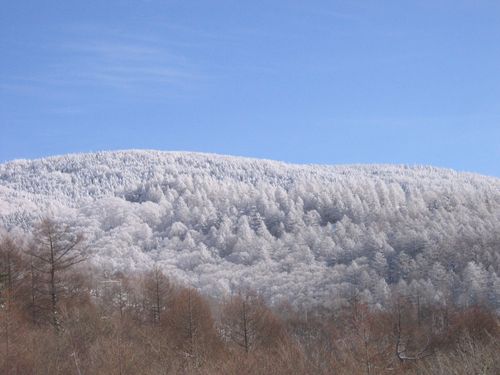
<point x="157" y="292"/>
<point x="57" y="249"/>
<point x="248" y="323"/>
<point x="192" y="326"/>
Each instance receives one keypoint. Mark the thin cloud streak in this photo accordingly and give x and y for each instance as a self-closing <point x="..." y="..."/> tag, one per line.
<point x="126" y="63"/>
<point x="113" y="62"/>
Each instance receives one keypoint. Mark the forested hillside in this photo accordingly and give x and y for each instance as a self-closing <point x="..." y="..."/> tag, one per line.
<point x="309" y="235"/>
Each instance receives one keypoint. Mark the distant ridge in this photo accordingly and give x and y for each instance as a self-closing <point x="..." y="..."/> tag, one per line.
<point x="307" y="234"/>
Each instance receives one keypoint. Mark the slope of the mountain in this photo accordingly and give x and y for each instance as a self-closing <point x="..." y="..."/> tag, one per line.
<point x="302" y="233"/>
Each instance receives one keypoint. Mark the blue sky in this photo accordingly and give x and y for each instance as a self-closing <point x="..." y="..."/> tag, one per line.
<point x="414" y="82"/>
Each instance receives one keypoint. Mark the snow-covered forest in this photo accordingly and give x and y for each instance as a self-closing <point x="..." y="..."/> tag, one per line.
<point x="309" y="235"/>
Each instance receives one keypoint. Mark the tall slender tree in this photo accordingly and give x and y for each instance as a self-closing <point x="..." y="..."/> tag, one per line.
<point x="57" y="249"/>
<point x="157" y="292"/>
<point x="248" y="323"/>
<point x="11" y="280"/>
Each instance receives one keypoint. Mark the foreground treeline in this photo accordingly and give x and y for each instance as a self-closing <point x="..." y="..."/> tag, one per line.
<point x="57" y="317"/>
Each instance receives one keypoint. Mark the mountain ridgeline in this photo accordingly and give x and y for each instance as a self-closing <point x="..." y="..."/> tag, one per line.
<point x="304" y="234"/>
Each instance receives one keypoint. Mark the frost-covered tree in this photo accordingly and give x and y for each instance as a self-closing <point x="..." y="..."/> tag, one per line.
<point x="216" y="222"/>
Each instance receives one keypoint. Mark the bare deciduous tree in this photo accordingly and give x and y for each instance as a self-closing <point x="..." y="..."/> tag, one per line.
<point x="57" y="248"/>
<point x="248" y="323"/>
<point x="157" y="292"/>
<point x="11" y="278"/>
<point x="402" y="343"/>
<point x="192" y="325"/>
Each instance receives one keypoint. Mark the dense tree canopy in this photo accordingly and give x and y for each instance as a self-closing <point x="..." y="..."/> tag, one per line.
<point x="305" y="234"/>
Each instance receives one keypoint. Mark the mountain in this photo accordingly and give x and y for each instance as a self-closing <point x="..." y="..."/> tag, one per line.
<point x="306" y="234"/>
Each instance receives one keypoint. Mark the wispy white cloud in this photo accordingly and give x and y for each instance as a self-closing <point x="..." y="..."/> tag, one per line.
<point x="126" y="63"/>
<point x="110" y="60"/>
